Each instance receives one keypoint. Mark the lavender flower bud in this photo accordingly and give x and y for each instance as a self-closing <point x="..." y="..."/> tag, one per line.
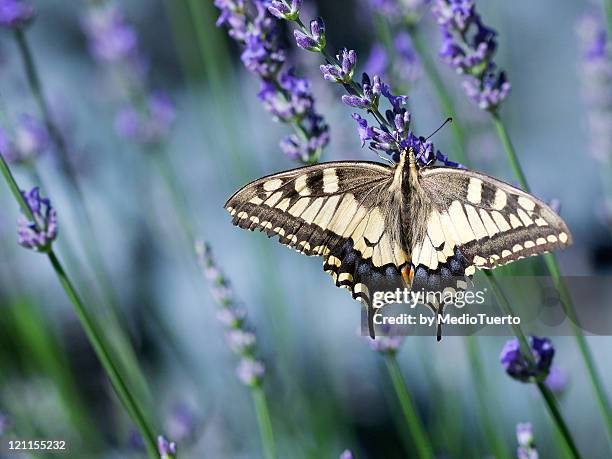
<point x="356" y="101"/>
<point x="317" y="29"/>
<point x="250" y="371"/>
<point x="281" y="10"/>
<point x="518" y="367"/>
<point x="346" y="454"/>
<point x="15" y="13"/>
<point x="365" y="131"/>
<point x="182" y="423"/>
<point x="305" y="42"/>
<point x="524" y="436"/>
<point x="231" y="317"/>
<point x="31" y="139"/>
<point x="167" y="449"/>
<point x="240" y="341"/>
<point x="39" y="234"/>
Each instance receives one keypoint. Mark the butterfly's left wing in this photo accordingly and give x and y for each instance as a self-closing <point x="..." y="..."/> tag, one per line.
<point x="342" y="211"/>
<point x="491" y="222"/>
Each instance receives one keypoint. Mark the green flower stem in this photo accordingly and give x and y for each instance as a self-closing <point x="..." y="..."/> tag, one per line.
<point x="93" y="334"/>
<point x="264" y="422"/>
<point x="440" y="89"/>
<point x="485" y="409"/>
<point x="553" y="409"/>
<point x="423" y="445"/>
<point x="112" y="313"/>
<point x="608" y="11"/>
<point x="547" y="395"/>
<point x="510" y="151"/>
<point x="561" y="286"/>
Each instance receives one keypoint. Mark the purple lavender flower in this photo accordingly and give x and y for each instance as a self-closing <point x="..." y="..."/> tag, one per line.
<point x="285" y="95"/>
<point x="31" y="139"/>
<point x="517" y="365"/>
<point x="557" y="379"/>
<point x="240" y="339"/>
<point x="596" y="75"/>
<point x="39" y="234"/>
<point x="149" y="125"/>
<point x="181" y="424"/>
<point x="409" y="11"/>
<point x="469" y="47"/>
<point x="110" y="37"/>
<point x="524" y="436"/>
<point x="316" y="41"/>
<point x="4" y="424"/>
<point x="282" y="10"/>
<point x="386" y="342"/>
<point x="346" y="454"/>
<point x="15" y="13"/>
<point x="343" y="71"/>
<point x="250" y="371"/>
<point x="167" y="449"/>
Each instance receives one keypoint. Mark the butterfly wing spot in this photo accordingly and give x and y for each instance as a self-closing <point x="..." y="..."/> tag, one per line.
<point x="474" y="191"/>
<point x="563" y="237"/>
<point x="501" y="198"/>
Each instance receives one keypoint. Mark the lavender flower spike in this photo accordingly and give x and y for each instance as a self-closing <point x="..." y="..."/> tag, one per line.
<point x="240" y="339"/>
<point x="39" y="234"/>
<point x="469" y="47"/>
<point x="517" y="365"/>
<point x="167" y="449"/>
<point x="342" y="73"/>
<point x="15" y="14"/>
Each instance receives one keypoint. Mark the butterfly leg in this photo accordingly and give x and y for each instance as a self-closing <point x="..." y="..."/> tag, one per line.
<point x="371" y="321"/>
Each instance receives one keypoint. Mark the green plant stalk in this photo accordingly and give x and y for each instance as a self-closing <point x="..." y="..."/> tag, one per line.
<point x="561" y="286"/>
<point x="551" y="403"/>
<point x="93" y="334"/>
<point x="120" y="342"/>
<point x="608" y="11"/>
<point x="485" y="409"/>
<point x="440" y="89"/>
<point x="264" y="422"/>
<point x="423" y="445"/>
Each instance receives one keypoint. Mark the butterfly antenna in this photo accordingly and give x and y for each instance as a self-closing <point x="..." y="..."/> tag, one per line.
<point x="391" y="162"/>
<point x="448" y="120"/>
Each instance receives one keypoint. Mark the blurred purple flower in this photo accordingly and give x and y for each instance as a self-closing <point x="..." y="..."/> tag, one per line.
<point x="31" y="139"/>
<point x="167" y="449"/>
<point x="524" y="436"/>
<point x="285" y="95"/>
<point x="181" y="424"/>
<point x="386" y="342"/>
<point x="346" y="454"/>
<point x="110" y="36"/>
<point x="557" y="379"/>
<point x="400" y="10"/>
<point x="4" y="424"/>
<point x="148" y="125"/>
<point x="469" y="47"/>
<point x="250" y="371"/>
<point x="240" y="339"/>
<point x="517" y="365"/>
<point x="15" y="13"/>
<point x="596" y="74"/>
<point x="39" y="234"/>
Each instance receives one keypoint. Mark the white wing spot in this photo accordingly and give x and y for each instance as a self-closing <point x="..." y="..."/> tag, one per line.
<point x="526" y="203"/>
<point x="563" y="237"/>
<point x="500" y="199"/>
<point x="330" y="181"/>
<point x="474" y="191"/>
<point x="272" y="185"/>
<point x="552" y="238"/>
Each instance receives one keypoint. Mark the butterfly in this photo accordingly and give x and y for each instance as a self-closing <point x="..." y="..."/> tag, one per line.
<point x="382" y="227"/>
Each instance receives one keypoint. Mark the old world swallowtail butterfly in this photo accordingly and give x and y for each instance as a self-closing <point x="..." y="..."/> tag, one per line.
<point x="380" y="227"/>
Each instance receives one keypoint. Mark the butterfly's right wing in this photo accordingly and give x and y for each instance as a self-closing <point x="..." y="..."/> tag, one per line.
<point x="342" y="211"/>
